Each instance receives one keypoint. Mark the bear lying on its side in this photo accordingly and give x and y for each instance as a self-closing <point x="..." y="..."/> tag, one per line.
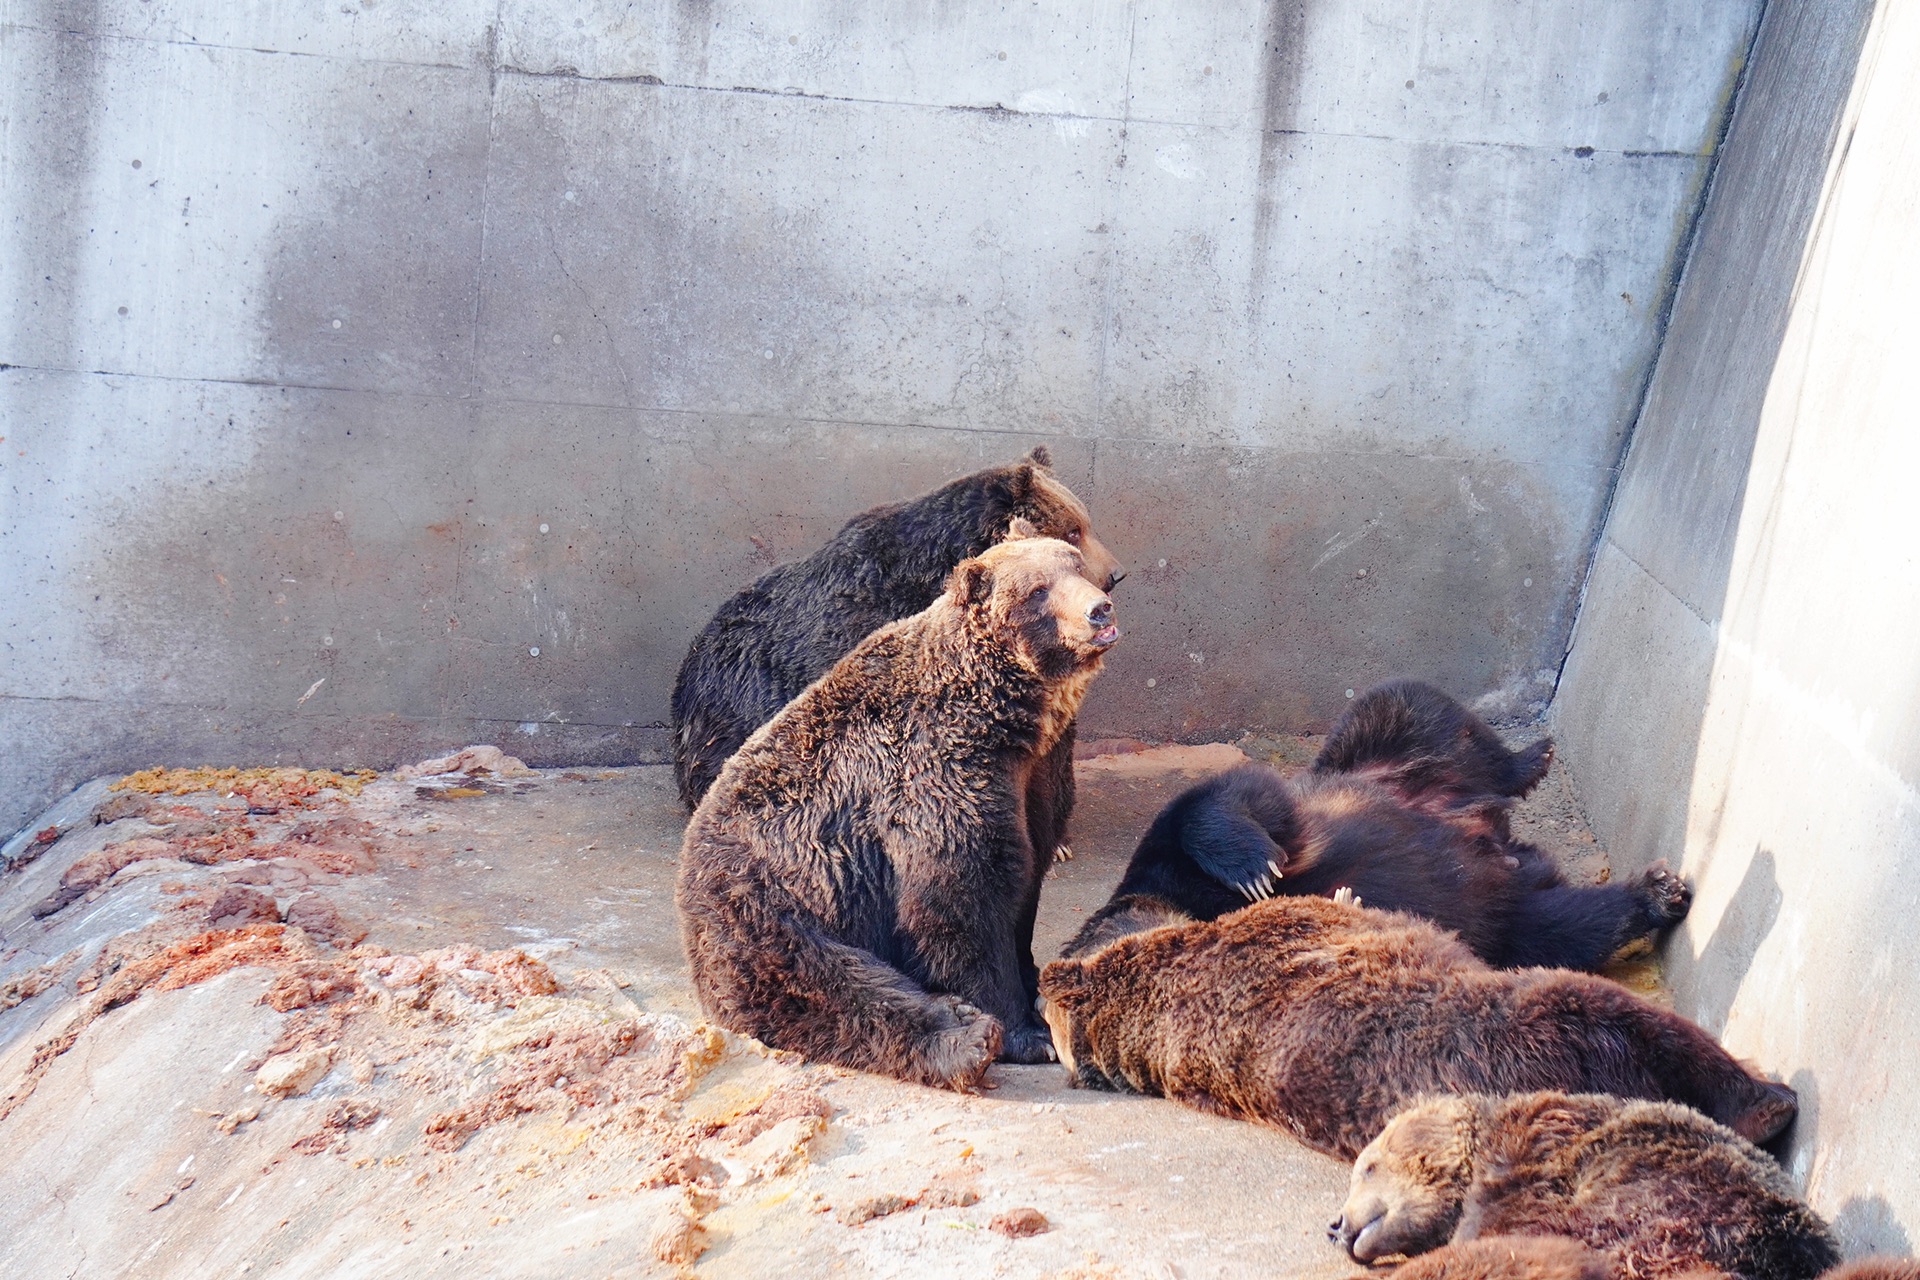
<point x="776" y="637"/>
<point x="1512" y="1258"/>
<point x="1559" y="1258"/>
<point x="853" y="886"/>
<point x="1407" y="808"/>
<point x="1324" y="1019"/>
<point x="1659" y="1189"/>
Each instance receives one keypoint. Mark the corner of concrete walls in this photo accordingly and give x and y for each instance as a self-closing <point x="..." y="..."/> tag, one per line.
<point x="1740" y="697"/>
<point x="1633" y="687"/>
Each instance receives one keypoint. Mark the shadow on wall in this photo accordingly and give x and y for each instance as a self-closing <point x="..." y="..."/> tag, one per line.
<point x="1634" y="689"/>
<point x="1714" y="978"/>
<point x="1866" y="1224"/>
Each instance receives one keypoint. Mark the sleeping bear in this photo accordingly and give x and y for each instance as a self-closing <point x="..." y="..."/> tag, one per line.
<point x="1406" y="808"/>
<point x="859" y="883"/>
<point x="1656" y="1189"/>
<point x="1325" y="1019"/>
<point x="1562" y="1258"/>
<point x="779" y="635"/>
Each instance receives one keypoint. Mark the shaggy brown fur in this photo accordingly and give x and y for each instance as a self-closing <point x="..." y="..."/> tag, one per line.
<point x="854" y="885"/>
<point x="1558" y="1258"/>
<point x="776" y="637"/>
<point x="1325" y="1019"/>
<point x="1660" y="1188"/>
<point x="1510" y="1258"/>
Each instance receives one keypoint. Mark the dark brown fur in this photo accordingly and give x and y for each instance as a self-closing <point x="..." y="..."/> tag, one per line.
<point x="1659" y="1188"/>
<point x="776" y="637"/>
<point x="1406" y="808"/>
<point x="854" y="885"/>
<point x="1325" y="1019"/>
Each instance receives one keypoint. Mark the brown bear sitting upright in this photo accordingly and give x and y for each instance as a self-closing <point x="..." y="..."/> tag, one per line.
<point x="776" y="637"/>
<point x="1658" y="1189"/>
<point x="1324" y="1019"/>
<point x="854" y="883"/>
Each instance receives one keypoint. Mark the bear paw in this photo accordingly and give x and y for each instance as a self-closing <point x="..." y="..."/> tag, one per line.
<point x="959" y="1054"/>
<point x="1029" y="1044"/>
<point x="1667" y="896"/>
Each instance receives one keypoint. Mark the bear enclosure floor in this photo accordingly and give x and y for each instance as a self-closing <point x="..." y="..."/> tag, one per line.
<point x="299" y="1043"/>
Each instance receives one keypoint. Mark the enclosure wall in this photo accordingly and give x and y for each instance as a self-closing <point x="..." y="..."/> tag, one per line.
<point x="1743" y="695"/>
<point x="379" y="378"/>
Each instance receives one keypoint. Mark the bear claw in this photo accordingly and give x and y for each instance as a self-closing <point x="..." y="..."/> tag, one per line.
<point x="1063" y="853"/>
<point x="958" y="1055"/>
<point x="1668" y="896"/>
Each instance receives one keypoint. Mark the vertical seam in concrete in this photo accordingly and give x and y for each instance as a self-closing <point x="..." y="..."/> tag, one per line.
<point x="463" y="534"/>
<point x="1677" y="278"/>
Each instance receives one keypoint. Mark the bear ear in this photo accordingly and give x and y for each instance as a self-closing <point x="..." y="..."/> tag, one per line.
<point x="971" y="582"/>
<point x="1020" y="528"/>
<point x="1041" y="457"/>
<point x="1064" y="982"/>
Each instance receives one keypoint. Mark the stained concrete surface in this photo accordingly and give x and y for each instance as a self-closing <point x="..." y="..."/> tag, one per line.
<point x="146" y="1163"/>
<point x="386" y="344"/>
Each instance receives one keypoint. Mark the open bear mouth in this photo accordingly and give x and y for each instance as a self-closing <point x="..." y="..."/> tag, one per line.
<point x="1105" y="636"/>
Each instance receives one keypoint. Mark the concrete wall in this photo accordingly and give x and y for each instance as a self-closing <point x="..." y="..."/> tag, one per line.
<point x="1743" y="694"/>
<point x="385" y="344"/>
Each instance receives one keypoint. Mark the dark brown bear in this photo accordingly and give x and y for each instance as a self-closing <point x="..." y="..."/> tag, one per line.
<point x="855" y="884"/>
<point x="1325" y="1019"/>
<point x="779" y="635"/>
<point x="1406" y="807"/>
<point x="1659" y="1189"/>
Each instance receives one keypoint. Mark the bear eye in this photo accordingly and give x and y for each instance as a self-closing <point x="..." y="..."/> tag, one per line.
<point x="1073" y="537"/>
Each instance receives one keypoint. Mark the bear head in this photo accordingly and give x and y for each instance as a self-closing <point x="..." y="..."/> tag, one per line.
<point x="1035" y="595"/>
<point x="1408" y="1186"/>
<point x="1054" y="511"/>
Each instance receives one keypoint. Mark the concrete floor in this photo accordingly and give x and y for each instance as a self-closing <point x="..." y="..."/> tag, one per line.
<point x="131" y="1023"/>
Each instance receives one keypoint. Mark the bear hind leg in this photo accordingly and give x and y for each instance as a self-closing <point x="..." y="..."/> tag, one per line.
<point x="860" y="1012"/>
<point x="1563" y="926"/>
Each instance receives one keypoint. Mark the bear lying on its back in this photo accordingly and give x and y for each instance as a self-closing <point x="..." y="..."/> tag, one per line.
<point x="1407" y="808"/>
<point x="1659" y="1189"/>
<point x="1325" y="1019"/>
<point x="855" y="885"/>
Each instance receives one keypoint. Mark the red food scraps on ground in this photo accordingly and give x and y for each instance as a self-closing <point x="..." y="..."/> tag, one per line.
<point x="263" y="788"/>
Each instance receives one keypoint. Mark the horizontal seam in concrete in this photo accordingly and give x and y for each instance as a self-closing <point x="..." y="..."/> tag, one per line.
<point x="802" y="420"/>
<point x="338" y="717"/>
<point x="124" y="38"/>
<point x="995" y="109"/>
<point x="1001" y="109"/>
